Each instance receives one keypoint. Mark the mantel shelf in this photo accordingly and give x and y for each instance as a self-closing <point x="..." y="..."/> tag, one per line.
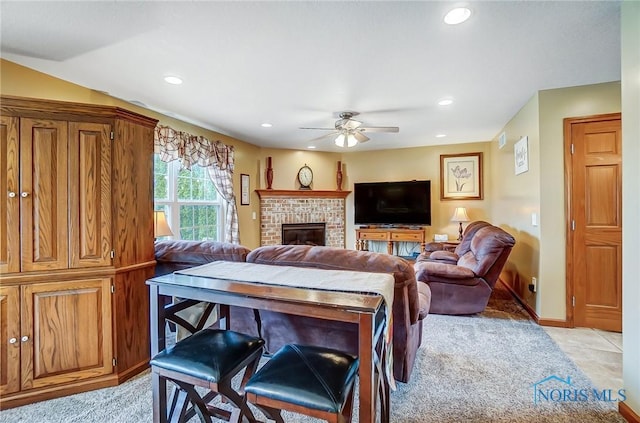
<point x="310" y="193"/>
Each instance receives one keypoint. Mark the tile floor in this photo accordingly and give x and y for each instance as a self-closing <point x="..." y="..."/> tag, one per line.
<point x="598" y="353"/>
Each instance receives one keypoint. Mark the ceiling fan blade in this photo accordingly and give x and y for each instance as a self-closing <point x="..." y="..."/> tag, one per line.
<point x="320" y="129"/>
<point x="360" y="136"/>
<point x="351" y="124"/>
<point x="379" y="129"/>
<point x="324" y="136"/>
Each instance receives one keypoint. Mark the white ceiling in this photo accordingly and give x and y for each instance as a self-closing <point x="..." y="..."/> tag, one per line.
<point x="298" y="64"/>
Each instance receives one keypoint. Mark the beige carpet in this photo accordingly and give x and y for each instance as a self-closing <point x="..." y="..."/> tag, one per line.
<point x="478" y="368"/>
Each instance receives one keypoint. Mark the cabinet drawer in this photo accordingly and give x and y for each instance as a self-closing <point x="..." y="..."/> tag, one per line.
<point x="377" y="236"/>
<point x="407" y="237"/>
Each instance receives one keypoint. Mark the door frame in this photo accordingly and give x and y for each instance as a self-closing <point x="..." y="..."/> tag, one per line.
<point x="568" y="184"/>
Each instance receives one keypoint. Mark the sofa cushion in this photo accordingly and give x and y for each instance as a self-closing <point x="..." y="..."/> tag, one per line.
<point x="444" y="255"/>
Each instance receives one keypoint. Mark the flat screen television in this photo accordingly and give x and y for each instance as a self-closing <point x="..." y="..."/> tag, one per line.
<point x="392" y="203"/>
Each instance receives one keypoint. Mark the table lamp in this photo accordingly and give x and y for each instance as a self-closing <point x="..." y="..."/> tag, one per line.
<point x="460" y="215"/>
<point x="160" y="225"/>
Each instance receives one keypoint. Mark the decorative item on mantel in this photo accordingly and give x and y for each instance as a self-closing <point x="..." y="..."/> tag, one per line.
<point x="339" y="176"/>
<point x="460" y="215"/>
<point x="269" y="173"/>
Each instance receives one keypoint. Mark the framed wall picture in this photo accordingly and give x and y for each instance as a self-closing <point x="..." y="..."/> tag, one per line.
<point x="461" y="176"/>
<point x="521" y="155"/>
<point x="244" y="189"/>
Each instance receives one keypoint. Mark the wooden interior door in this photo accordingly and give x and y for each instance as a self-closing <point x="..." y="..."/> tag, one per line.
<point x="68" y="325"/>
<point x="43" y="194"/>
<point x="9" y="196"/>
<point x="595" y="221"/>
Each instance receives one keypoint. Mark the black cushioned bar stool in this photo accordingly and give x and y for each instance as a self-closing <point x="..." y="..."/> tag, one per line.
<point x="314" y="381"/>
<point x="210" y="359"/>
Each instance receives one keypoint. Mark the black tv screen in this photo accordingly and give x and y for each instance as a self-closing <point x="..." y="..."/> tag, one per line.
<point x="392" y="203"/>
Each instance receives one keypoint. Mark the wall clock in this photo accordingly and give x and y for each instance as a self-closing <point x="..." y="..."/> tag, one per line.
<point x="305" y="177"/>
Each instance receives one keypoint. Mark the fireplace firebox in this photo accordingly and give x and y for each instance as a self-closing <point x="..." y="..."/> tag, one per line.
<point x="303" y="233"/>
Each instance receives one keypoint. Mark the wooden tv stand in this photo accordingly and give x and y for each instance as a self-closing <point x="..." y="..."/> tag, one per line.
<point x="390" y="235"/>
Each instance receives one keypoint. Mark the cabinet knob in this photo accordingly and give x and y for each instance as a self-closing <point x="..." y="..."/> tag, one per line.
<point x="12" y="194"/>
<point x="13" y="340"/>
<point x="24" y="194"/>
<point x="24" y="338"/>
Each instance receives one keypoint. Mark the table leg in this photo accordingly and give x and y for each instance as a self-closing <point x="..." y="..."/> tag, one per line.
<point x="158" y="343"/>
<point x="366" y="369"/>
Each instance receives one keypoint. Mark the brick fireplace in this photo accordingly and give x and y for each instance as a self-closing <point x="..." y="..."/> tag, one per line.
<point x="278" y="207"/>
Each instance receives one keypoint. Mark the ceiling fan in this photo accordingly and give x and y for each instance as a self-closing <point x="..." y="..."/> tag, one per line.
<point x="350" y="131"/>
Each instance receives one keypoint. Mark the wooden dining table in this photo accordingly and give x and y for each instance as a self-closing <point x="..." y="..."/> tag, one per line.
<point x="353" y="307"/>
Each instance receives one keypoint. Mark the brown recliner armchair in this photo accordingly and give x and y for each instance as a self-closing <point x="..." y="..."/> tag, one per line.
<point x="441" y="251"/>
<point x="464" y="286"/>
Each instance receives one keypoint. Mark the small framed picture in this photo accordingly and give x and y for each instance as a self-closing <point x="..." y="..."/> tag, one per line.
<point x="461" y="176"/>
<point x="244" y="189"/>
<point x="521" y="155"/>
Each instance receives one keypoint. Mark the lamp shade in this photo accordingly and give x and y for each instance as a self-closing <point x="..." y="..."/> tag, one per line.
<point x="350" y="139"/>
<point x="460" y="215"/>
<point x="160" y="225"/>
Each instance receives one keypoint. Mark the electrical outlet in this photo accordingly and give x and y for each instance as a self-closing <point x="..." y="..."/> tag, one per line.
<point x="534" y="285"/>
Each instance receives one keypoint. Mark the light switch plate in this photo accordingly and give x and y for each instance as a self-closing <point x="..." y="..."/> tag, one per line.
<point x="502" y="140"/>
<point x="534" y="219"/>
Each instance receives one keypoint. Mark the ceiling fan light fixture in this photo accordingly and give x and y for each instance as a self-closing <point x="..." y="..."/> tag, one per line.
<point x="351" y="141"/>
<point x="340" y="140"/>
<point x="457" y="16"/>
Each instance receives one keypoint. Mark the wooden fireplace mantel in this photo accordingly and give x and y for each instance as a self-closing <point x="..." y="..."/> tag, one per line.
<point x="310" y="193"/>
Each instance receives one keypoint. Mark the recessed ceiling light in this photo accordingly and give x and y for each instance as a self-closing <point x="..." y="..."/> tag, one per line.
<point x="441" y="135"/>
<point x="266" y="125"/>
<point x="445" y="102"/>
<point x="311" y="147"/>
<point x="175" y="80"/>
<point x="457" y="16"/>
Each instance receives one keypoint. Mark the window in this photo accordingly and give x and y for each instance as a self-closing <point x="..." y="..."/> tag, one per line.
<point x="190" y="200"/>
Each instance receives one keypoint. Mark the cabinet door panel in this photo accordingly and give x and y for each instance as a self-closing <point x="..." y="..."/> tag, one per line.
<point x="133" y="194"/>
<point x="9" y="339"/>
<point x="9" y="196"/>
<point x="70" y="326"/>
<point x="43" y="190"/>
<point x="89" y="194"/>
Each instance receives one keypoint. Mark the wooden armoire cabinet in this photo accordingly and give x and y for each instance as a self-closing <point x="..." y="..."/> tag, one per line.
<point x="76" y="247"/>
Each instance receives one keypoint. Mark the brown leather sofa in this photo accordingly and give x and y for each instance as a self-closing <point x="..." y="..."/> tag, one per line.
<point x="411" y="300"/>
<point x="462" y="281"/>
<point x="177" y="255"/>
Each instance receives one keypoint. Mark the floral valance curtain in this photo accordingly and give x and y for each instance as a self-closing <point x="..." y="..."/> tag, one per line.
<point x="215" y="156"/>
<point x="191" y="149"/>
